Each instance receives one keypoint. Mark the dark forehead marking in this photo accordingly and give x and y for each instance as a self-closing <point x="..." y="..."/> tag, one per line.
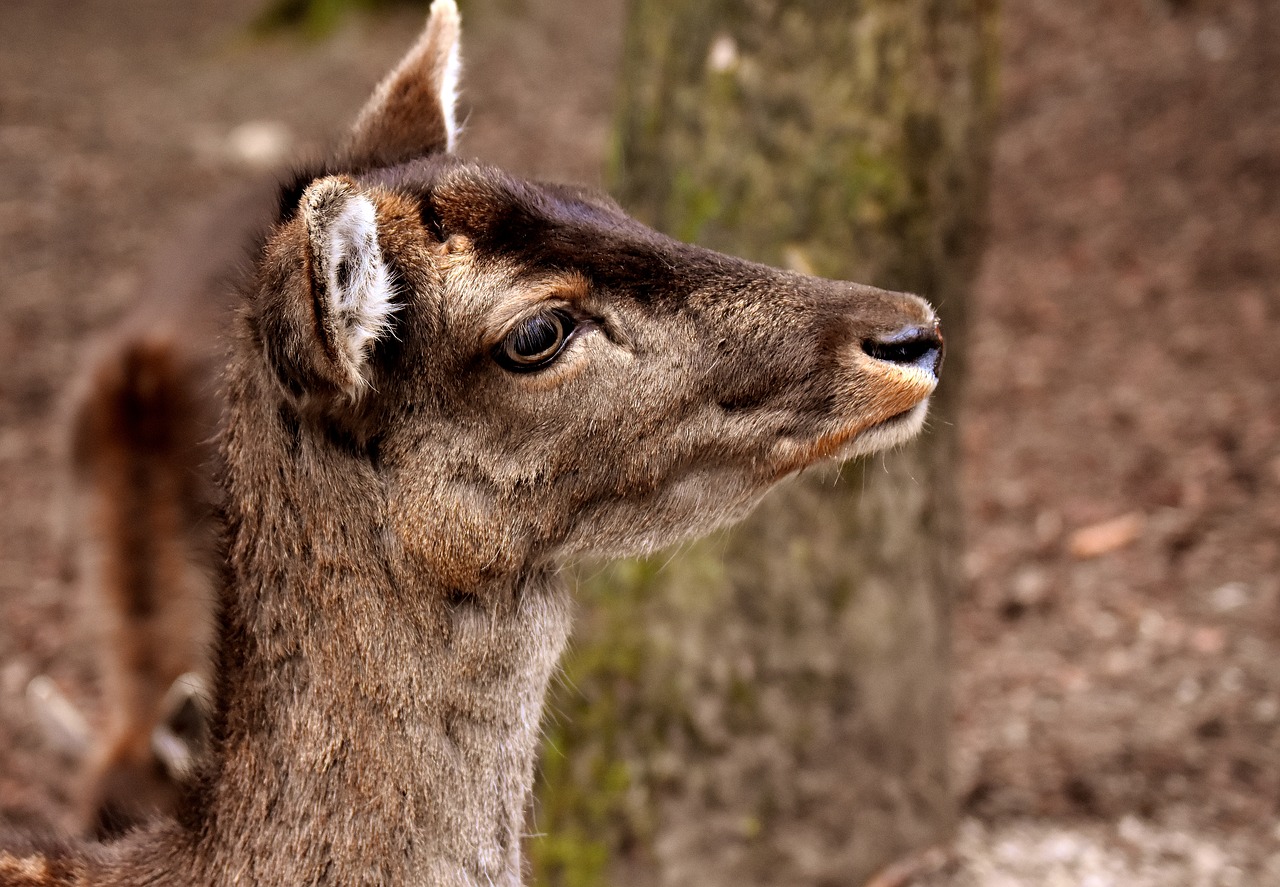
<point x="543" y="227"/>
<point x="562" y="228"/>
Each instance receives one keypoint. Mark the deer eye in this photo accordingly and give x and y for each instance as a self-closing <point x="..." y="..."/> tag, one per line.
<point x="535" y="342"/>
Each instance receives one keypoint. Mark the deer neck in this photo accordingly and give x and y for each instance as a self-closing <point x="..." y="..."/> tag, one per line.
<point x="376" y="728"/>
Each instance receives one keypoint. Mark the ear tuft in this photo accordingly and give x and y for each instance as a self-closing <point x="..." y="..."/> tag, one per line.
<point x="412" y="112"/>
<point x="350" y="281"/>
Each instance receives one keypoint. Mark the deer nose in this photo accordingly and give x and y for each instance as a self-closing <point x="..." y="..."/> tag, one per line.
<point x="915" y="345"/>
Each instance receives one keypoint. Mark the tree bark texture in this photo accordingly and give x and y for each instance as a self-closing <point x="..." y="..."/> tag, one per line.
<point x="770" y="706"/>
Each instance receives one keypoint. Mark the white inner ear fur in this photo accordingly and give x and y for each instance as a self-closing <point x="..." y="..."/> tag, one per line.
<point x="358" y="296"/>
<point x="64" y="724"/>
<point x="358" y="281"/>
<point x="435" y="56"/>
<point x="449" y="93"/>
<point x="439" y="45"/>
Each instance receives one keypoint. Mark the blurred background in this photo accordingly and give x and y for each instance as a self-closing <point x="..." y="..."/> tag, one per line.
<point x="1113" y="608"/>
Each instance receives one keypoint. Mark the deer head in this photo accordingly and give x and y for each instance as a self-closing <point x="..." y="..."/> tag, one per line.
<point x="535" y="373"/>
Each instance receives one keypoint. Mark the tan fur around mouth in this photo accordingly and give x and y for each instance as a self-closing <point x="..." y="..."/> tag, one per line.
<point x="914" y="389"/>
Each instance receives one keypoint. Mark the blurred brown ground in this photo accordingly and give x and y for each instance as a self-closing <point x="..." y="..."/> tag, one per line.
<point x="1125" y="365"/>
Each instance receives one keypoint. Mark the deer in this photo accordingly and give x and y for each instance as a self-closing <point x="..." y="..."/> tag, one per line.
<point x="140" y="546"/>
<point x="141" y="553"/>
<point x="445" y="383"/>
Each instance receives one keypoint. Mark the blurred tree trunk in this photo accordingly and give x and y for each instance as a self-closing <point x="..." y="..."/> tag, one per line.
<point x="770" y="706"/>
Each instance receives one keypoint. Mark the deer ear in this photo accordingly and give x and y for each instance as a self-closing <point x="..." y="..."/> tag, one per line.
<point x="181" y="737"/>
<point x="411" y="113"/>
<point x="64" y="724"/>
<point x="351" y="284"/>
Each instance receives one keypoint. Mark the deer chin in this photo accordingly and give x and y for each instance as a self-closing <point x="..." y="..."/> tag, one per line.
<point x="851" y="440"/>
<point x="886" y="434"/>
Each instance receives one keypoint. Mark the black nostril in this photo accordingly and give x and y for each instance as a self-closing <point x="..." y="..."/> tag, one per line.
<point x="914" y="345"/>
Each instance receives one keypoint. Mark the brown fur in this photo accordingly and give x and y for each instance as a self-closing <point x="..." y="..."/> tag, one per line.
<point x="141" y="438"/>
<point x="142" y="544"/>
<point x="392" y="612"/>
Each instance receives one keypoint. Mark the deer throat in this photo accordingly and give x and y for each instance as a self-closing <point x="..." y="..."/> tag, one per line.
<point x="375" y="729"/>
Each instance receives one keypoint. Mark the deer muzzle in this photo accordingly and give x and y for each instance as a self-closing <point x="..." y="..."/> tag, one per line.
<point x="888" y="378"/>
